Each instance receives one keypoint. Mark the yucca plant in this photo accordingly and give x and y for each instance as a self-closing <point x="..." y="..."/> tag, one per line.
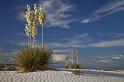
<point x="31" y="59"/>
<point x="74" y="66"/>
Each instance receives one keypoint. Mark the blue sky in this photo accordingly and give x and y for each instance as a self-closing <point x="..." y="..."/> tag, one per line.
<point x="95" y="27"/>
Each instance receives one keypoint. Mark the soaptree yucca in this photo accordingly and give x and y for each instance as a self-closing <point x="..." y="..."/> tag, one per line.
<point x="31" y="59"/>
<point x="72" y="64"/>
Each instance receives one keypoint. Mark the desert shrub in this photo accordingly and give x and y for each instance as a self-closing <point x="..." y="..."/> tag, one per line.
<point x="31" y="59"/>
<point x="74" y="66"/>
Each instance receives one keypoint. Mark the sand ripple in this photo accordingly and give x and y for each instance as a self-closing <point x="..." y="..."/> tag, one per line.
<point x="54" y="76"/>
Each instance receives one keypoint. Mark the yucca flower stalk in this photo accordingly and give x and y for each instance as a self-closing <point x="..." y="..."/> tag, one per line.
<point x="27" y="30"/>
<point x="77" y="54"/>
<point x="66" y="61"/>
<point x="34" y="35"/>
<point x="42" y="19"/>
<point x="29" y="19"/>
<point x="34" y="29"/>
<point x="31" y="26"/>
<point x="72" y="56"/>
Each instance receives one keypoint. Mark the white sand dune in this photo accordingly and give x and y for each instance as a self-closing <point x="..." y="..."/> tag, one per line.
<point x="55" y="76"/>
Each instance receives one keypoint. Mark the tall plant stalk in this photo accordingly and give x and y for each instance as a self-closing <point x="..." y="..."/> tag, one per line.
<point x="72" y="56"/>
<point x="42" y="36"/>
<point x="66" y="61"/>
<point x="77" y="54"/>
<point x="28" y="27"/>
<point x="35" y="21"/>
<point x="30" y="41"/>
<point x="27" y="30"/>
<point x="34" y="42"/>
<point x="31" y="26"/>
<point x="32" y="17"/>
<point x="42" y="19"/>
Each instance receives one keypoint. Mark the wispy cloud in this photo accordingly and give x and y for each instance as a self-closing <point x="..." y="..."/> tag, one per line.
<point x="110" y="58"/>
<point x="58" y="13"/>
<point x="112" y="35"/>
<point x="78" y="40"/>
<point x="103" y="60"/>
<point x="87" y="20"/>
<point x="111" y="6"/>
<point x="12" y="40"/>
<point x="84" y="40"/>
<point x="111" y="43"/>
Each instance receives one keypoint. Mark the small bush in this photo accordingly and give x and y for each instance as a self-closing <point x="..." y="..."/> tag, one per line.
<point x="31" y="59"/>
<point x="74" y="66"/>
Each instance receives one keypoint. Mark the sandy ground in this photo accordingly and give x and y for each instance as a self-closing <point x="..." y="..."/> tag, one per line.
<point x="55" y="76"/>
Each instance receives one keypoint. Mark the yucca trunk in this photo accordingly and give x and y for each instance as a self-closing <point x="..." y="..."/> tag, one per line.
<point x="72" y="59"/>
<point x="66" y="61"/>
<point x="77" y="54"/>
<point x="66" y="64"/>
<point x="34" y="42"/>
<point x="77" y="60"/>
<point x="30" y="40"/>
<point x="42" y="36"/>
<point x="72" y="56"/>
